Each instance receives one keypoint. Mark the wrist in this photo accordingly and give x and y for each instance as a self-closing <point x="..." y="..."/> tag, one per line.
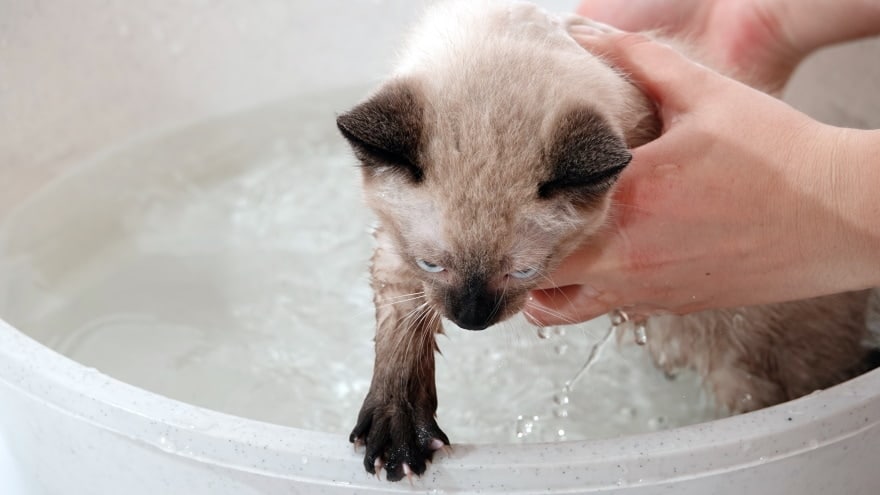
<point x="845" y="224"/>
<point x="807" y="25"/>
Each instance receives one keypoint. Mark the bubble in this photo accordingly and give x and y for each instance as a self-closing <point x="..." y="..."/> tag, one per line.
<point x="627" y="412"/>
<point x="523" y="427"/>
<point x="657" y="422"/>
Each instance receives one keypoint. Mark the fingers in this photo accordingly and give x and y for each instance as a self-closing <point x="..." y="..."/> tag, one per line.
<point x="664" y="74"/>
<point x="631" y="15"/>
<point x="570" y="270"/>
<point x="564" y="306"/>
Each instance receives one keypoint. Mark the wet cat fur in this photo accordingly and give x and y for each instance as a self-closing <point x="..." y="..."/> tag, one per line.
<point x="488" y="156"/>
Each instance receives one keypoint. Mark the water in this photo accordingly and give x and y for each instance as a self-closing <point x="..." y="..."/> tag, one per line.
<point x="224" y="264"/>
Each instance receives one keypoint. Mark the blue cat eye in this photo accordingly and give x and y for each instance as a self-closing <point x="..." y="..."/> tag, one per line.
<point x="429" y="267"/>
<point x="525" y="274"/>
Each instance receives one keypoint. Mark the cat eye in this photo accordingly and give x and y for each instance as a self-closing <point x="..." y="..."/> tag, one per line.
<point x="429" y="267"/>
<point x="524" y="274"/>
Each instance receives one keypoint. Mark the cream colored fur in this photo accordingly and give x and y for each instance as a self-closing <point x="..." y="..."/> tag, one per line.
<point x="482" y="90"/>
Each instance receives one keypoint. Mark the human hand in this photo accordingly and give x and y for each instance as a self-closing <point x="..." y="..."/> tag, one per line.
<point x="742" y="200"/>
<point x="743" y="38"/>
<point x="759" y="42"/>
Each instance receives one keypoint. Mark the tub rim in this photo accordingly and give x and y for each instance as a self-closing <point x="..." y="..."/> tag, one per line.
<point x="207" y="436"/>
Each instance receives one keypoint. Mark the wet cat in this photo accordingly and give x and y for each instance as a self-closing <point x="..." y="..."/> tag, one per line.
<point x="488" y="155"/>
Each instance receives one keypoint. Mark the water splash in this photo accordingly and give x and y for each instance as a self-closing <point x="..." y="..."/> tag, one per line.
<point x="595" y="352"/>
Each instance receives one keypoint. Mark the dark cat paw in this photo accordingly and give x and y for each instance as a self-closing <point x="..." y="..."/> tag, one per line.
<point x="399" y="437"/>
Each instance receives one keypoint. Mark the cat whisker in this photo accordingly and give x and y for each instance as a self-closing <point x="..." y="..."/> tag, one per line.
<point x="401" y="301"/>
<point x="556" y="314"/>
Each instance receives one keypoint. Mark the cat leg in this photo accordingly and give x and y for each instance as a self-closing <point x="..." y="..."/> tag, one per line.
<point x="396" y="423"/>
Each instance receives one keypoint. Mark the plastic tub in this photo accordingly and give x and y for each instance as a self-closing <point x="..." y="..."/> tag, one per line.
<point x="75" y="76"/>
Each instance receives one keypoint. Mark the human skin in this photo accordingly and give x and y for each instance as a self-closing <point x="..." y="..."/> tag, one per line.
<point x="742" y="200"/>
<point x="758" y="41"/>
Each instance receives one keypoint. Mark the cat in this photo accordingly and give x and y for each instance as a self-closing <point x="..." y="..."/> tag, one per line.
<point x="488" y="155"/>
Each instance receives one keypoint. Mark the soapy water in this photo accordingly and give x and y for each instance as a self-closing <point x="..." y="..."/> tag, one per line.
<point x="225" y="264"/>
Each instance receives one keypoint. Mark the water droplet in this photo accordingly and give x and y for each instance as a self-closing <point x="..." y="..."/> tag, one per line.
<point x="166" y="444"/>
<point x="561" y="398"/>
<point x="627" y="412"/>
<point x="304" y="460"/>
<point x="641" y="334"/>
<point x="595" y="351"/>
<point x="559" y="331"/>
<point x="560" y="433"/>
<point x="544" y="332"/>
<point x="561" y="348"/>
<point x="619" y="317"/>
<point x="521" y="429"/>
<point x="560" y="412"/>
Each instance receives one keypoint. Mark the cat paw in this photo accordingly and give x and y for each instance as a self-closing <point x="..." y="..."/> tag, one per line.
<point x="400" y="438"/>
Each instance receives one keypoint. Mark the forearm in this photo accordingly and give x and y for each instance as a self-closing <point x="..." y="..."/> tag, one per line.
<point x="811" y="24"/>
<point x="848" y="228"/>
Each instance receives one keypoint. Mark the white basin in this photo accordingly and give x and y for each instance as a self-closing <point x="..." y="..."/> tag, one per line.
<point x="76" y="77"/>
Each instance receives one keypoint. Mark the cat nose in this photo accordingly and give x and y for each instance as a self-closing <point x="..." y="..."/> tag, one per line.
<point x="474" y="306"/>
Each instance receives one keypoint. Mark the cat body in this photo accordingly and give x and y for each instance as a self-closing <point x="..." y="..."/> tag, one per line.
<point x="488" y="156"/>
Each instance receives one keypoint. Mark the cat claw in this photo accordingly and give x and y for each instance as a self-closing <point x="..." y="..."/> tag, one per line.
<point x="377" y="466"/>
<point x="407" y="471"/>
<point x="357" y="443"/>
<point x="439" y="445"/>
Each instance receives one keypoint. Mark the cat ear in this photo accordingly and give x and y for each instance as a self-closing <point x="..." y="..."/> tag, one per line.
<point x="585" y="156"/>
<point x="386" y="130"/>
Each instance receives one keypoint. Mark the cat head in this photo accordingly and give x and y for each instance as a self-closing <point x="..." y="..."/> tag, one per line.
<point x="487" y="170"/>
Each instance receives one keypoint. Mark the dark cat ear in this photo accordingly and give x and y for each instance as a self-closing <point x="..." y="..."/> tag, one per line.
<point x="386" y="130"/>
<point x="585" y="156"/>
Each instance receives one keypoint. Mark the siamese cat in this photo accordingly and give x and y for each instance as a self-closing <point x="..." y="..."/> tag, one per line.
<point x="488" y="155"/>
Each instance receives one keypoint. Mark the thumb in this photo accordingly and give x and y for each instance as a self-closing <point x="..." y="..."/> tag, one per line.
<point x="669" y="78"/>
